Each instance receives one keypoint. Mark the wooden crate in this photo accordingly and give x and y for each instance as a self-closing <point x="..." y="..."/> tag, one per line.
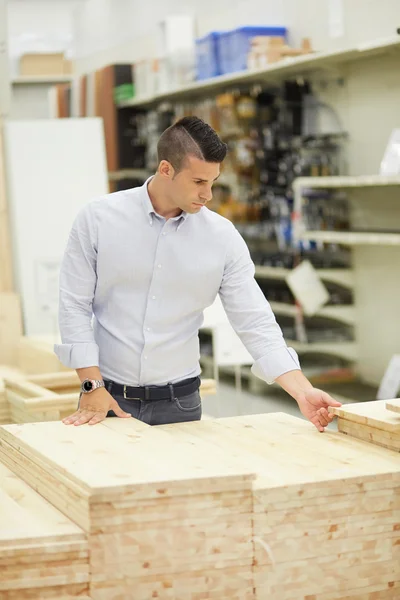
<point x="164" y="520"/>
<point x="43" y="555"/>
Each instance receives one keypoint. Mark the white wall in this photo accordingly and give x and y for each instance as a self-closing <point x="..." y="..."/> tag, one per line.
<point x="39" y="25"/>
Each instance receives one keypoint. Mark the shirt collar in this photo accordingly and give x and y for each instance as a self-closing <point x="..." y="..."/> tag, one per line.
<point x="149" y="208"/>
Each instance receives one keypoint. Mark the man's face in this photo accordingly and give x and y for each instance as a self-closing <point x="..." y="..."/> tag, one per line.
<point x="191" y="188"/>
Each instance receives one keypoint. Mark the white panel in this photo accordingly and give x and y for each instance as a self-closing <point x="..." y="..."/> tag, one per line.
<point x="53" y="168"/>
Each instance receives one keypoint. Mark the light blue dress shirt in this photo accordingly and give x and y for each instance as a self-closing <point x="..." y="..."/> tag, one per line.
<point x="133" y="288"/>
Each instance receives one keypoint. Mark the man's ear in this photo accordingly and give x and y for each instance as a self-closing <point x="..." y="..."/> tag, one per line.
<point x="166" y="169"/>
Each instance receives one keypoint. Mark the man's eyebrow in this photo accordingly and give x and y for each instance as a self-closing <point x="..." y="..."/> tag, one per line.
<point x="205" y="180"/>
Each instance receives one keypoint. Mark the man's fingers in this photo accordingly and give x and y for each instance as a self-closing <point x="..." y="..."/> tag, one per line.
<point x="329" y="401"/>
<point x="315" y="421"/>
<point x="97" y="418"/>
<point x="72" y="418"/>
<point x="85" y="417"/>
<point x="119" y="412"/>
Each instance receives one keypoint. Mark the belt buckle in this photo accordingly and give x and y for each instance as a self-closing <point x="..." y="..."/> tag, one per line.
<point x="127" y="397"/>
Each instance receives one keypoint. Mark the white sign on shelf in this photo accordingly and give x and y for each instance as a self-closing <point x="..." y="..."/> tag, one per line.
<point x="307" y="288"/>
<point x="336" y="18"/>
<point x="390" y="384"/>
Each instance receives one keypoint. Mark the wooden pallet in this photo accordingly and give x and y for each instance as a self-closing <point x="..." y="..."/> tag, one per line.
<point x="42" y="553"/>
<point x="372" y="422"/>
<point x="163" y="519"/>
<point x="326" y="507"/>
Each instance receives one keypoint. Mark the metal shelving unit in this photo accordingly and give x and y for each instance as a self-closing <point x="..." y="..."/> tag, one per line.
<point x="374" y="208"/>
<point x="295" y="66"/>
<point x="342" y="277"/>
<point x="340" y="312"/>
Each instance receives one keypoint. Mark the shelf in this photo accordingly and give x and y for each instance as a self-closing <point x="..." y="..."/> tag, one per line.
<point x="346" y="350"/>
<point x="340" y="312"/>
<point x="342" y="277"/>
<point x="129" y="174"/>
<point x="294" y="66"/>
<point x="42" y="80"/>
<point x="346" y="182"/>
<point x="352" y="238"/>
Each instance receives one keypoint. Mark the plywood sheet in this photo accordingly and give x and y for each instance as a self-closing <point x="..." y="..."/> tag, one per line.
<point x="372" y="413"/>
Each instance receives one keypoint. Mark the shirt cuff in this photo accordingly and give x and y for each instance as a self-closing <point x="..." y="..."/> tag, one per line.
<point x="276" y="363"/>
<point x="78" y="356"/>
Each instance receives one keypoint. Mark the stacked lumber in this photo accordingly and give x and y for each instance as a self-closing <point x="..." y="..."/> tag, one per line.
<point x="164" y="519"/>
<point x="326" y="507"/>
<point x="48" y="396"/>
<point x="43" y="555"/>
<point x="372" y="422"/>
<point x="30" y="403"/>
<point x="5" y="412"/>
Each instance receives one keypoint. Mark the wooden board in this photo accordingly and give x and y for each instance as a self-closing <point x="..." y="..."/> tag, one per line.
<point x="10" y="327"/>
<point x="374" y="414"/>
<point x="42" y="553"/>
<point x="393" y="405"/>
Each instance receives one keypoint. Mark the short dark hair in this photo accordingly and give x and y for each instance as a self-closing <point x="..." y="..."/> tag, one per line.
<point x="190" y="136"/>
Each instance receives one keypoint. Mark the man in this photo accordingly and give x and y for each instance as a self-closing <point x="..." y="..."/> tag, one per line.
<point x="145" y="263"/>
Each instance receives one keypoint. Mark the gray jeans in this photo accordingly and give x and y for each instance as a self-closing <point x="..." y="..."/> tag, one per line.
<point x="161" y="412"/>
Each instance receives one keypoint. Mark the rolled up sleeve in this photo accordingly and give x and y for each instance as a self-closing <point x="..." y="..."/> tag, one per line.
<point x="78" y="277"/>
<point x="251" y="316"/>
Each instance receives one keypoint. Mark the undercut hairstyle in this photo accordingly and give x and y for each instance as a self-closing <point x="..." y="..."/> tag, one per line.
<point x="190" y="136"/>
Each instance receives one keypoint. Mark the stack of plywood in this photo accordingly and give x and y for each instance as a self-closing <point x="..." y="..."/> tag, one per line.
<point x="43" y="555"/>
<point x="326" y="507"/>
<point x="5" y="411"/>
<point x="30" y="403"/>
<point x="165" y="519"/>
<point x="48" y="396"/>
<point x="372" y="422"/>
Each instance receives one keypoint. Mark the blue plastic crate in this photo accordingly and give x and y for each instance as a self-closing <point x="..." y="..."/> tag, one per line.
<point x="236" y="45"/>
<point x="208" y="62"/>
<point x="224" y="52"/>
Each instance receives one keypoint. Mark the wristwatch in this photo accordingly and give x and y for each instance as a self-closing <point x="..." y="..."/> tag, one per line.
<point x="89" y="385"/>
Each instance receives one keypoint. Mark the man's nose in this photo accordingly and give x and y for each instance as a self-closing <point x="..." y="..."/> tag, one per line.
<point x="206" y="195"/>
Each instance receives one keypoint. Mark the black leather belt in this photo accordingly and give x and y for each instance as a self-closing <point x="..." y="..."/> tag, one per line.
<point x="154" y="393"/>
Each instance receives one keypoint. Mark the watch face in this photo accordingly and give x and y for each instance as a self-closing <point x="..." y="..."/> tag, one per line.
<point x="87" y="386"/>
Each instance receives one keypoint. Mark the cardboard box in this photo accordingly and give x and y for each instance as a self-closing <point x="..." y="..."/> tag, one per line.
<point x="44" y="64"/>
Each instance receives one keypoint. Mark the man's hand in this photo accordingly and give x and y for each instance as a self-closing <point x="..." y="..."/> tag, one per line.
<point x="93" y="408"/>
<point x="314" y="404"/>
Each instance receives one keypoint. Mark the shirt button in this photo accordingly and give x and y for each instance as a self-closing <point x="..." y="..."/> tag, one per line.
<point x="145" y="358"/>
<point x="159" y="266"/>
<point x="164" y="233"/>
<point x="148" y="329"/>
<point x="153" y="297"/>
